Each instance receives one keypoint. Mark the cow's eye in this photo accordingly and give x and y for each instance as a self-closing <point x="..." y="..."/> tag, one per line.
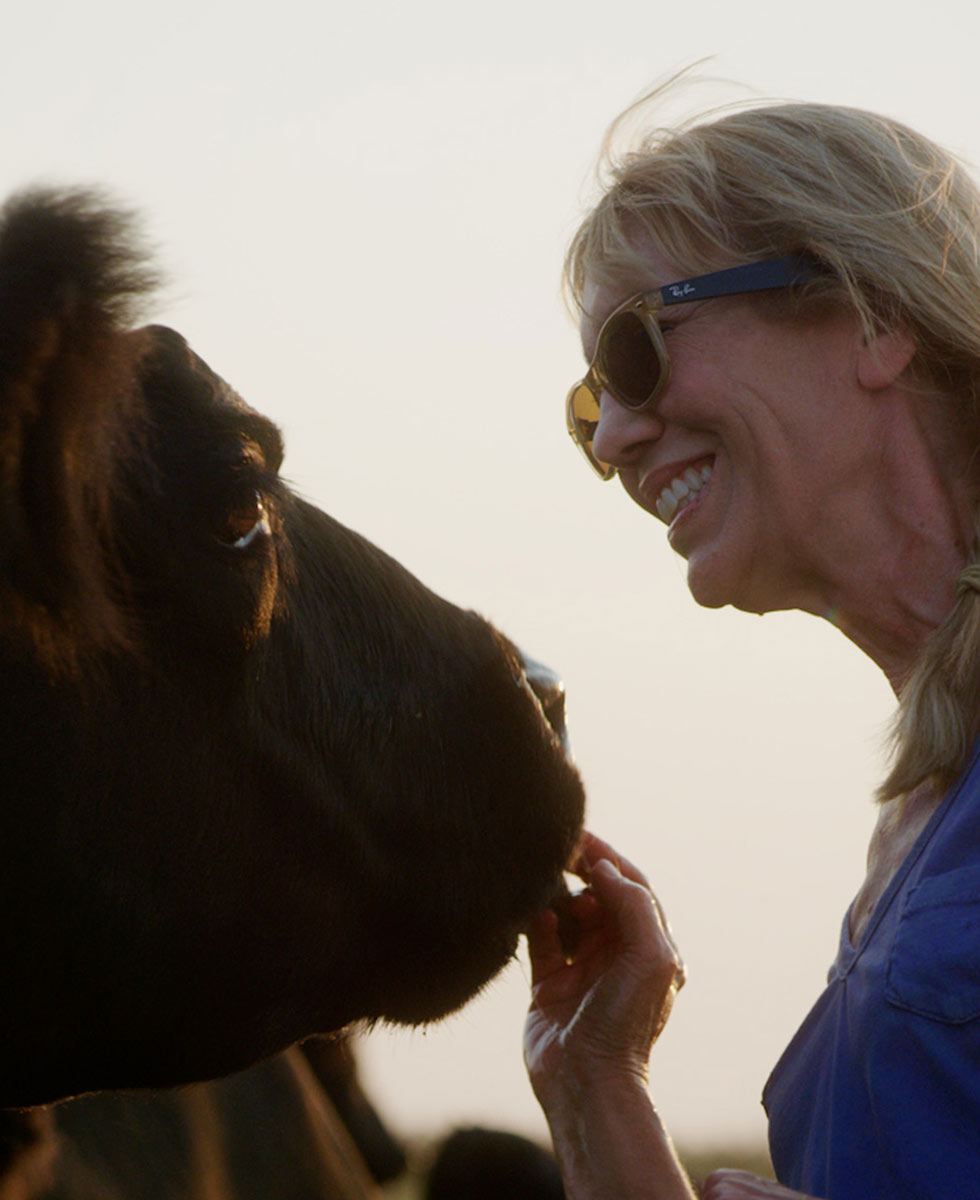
<point x="245" y="521"/>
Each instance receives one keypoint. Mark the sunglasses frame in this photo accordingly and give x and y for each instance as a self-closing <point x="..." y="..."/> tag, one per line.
<point x="770" y="273"/>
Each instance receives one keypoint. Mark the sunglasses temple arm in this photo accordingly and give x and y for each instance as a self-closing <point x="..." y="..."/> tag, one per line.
<point x="752" y="277"/>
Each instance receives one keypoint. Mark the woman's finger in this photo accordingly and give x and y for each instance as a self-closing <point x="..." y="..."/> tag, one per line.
<point x="742" y="1185"/>
<point x="593" y="849"/>
<point x="637" y="918"/>
<point x="544" y="946"/>
<point x="681" y="976"/>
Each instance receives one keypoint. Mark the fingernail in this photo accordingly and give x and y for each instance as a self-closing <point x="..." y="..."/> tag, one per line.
<point x="608" y="867"/>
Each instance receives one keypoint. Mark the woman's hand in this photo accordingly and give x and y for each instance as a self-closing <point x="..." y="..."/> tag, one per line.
<point x="597" y="1016"/>
<point x="741" y="1185"/>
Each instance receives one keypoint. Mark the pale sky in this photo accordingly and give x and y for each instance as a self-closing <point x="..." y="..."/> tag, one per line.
<point x="362" y="211"/>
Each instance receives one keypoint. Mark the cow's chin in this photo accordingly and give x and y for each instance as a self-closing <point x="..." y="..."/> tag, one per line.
<point x="463" y="981"/>
<point x="443" y="973"/>
<point x="452" y="992"/>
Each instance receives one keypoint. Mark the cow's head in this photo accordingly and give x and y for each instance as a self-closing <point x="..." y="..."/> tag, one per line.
<point x="258" y="781"/>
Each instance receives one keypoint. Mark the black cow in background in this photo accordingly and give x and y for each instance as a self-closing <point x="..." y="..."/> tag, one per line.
<point x="257" y="781"/>
<point x="295" y="1127"/>
<point x="269" y="1133"/>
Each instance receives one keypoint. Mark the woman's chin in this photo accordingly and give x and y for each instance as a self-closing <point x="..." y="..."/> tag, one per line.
<point x="707" y="595"/>
<point x="715" y="582"/>
<point x="711" y="586"/>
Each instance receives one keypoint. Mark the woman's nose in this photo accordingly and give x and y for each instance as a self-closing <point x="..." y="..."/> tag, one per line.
<point x="622" y="433"/>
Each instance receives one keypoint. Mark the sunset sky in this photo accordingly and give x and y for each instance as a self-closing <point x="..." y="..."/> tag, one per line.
<point x="361" y="211"/>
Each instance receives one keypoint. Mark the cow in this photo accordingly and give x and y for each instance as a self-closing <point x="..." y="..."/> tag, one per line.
<point x="484" y="1164"/>
<point x="296" y="1126"/>
<point x="258" y="782"/>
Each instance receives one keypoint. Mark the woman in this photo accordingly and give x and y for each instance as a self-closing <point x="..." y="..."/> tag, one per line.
<point x="781" y="317"/>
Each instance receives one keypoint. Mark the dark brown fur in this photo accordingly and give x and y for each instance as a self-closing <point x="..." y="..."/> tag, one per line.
<point x="249" y="793"/>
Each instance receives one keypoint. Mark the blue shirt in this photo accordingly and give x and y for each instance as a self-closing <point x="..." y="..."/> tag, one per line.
<point x="877" y="1097"/>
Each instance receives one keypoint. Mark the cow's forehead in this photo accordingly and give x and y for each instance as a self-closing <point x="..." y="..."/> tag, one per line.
<point x="173" y="369"/>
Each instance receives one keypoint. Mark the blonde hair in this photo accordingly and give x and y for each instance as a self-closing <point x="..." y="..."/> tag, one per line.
<point x="893" y="222"/>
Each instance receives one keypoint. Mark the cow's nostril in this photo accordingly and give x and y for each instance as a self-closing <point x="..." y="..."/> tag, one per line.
<point x="547" y="685"/>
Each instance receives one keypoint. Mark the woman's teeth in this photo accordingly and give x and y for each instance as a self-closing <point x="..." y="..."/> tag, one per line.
<point x="681" y="491"/>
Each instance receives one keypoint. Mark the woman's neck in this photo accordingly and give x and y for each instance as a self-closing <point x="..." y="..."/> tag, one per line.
<point x="893" y="581"/>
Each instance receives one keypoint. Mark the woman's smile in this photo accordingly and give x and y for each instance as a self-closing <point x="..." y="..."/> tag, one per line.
<point x="683" y="490"/>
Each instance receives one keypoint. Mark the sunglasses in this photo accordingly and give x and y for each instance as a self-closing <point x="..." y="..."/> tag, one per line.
<point x="631" y="362"/>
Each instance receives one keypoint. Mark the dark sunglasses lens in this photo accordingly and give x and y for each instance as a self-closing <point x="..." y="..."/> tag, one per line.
<point x="583" y="420"/>
<point x="628" y="360"/>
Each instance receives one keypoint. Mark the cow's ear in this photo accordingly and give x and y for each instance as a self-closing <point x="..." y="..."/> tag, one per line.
<point x="71" y="272"/>
<point x="72" y="269"/>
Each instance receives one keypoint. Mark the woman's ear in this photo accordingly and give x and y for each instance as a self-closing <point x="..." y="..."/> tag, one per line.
<point x="884" y="357"/>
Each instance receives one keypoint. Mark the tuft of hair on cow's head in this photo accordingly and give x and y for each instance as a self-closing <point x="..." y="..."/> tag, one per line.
<point x="258" y="781"/>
